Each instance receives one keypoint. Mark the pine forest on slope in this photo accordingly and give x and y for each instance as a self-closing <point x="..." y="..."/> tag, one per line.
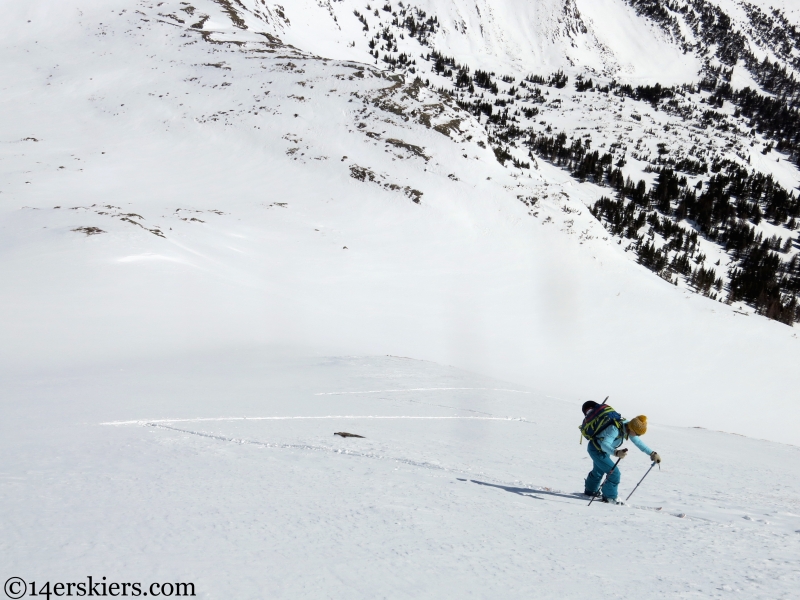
<point x="695" y="198"/>
<point x="713" y="193"/>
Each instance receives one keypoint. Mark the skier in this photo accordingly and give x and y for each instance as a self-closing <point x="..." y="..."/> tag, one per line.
<point x="606" y="430"/>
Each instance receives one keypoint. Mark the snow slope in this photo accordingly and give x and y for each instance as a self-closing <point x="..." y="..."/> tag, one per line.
<point x="228" y="220"/>
<point x="222" y="470"/>
<point x="210" y="241"/>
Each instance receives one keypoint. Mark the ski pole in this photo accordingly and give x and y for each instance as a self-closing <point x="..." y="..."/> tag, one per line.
<point x="640" y="481"/>
<point x="604" y="479"/>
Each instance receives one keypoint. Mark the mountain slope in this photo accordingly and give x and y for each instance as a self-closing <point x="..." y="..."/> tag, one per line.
<point x="693" y="152"/>
<point x="216" y="222"/>
<point x="228" y="220"/>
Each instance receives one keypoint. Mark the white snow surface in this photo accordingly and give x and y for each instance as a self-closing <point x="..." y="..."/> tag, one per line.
<point x="244" y="263"/>
<point x="223" y="470"/>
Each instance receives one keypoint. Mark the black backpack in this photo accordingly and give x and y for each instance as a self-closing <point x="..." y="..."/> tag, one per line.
<point x="597" y="420"/>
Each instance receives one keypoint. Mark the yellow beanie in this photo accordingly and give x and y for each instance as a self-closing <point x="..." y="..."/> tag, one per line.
<point x="638" y="425"/>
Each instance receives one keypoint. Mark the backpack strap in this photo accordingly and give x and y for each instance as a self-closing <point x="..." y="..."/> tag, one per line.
<point x="615" y="423"/>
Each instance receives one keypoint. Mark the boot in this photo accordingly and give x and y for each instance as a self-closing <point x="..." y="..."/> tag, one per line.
<point x="612" y="501"/>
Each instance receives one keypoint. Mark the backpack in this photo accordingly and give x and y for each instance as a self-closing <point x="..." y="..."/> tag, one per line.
<point x="598" y="420"/>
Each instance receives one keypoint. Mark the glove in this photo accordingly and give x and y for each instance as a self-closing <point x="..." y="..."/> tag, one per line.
<point x="621" y="453"/>
<point x="655" y="457"/>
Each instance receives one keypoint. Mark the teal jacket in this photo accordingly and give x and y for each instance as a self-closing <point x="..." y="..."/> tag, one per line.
<point x="611" y="438"/>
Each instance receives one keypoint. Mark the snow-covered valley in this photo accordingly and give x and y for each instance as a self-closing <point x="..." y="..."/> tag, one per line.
<point x="218" y="210"/>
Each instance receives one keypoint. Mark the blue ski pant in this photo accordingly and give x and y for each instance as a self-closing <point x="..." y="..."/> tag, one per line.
<point x="602" y="465"/>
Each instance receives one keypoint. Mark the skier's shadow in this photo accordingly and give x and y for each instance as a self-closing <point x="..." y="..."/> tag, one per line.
<point x="527" y="492"/>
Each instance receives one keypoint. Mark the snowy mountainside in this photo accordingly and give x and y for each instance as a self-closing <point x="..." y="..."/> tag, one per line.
<point x="222" y="242"/>
<point x="687" y="215"/>
<point x="690" y="205"/>
<point x="173" y="182"/>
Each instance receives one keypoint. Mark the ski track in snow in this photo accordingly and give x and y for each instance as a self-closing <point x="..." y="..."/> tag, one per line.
<point x="151" y="421"/>
<point x="344" y="451"/>
<point x="536" y="492"/>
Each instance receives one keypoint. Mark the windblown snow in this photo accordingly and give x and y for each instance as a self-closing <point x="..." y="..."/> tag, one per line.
<point x="228" y="232"/>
